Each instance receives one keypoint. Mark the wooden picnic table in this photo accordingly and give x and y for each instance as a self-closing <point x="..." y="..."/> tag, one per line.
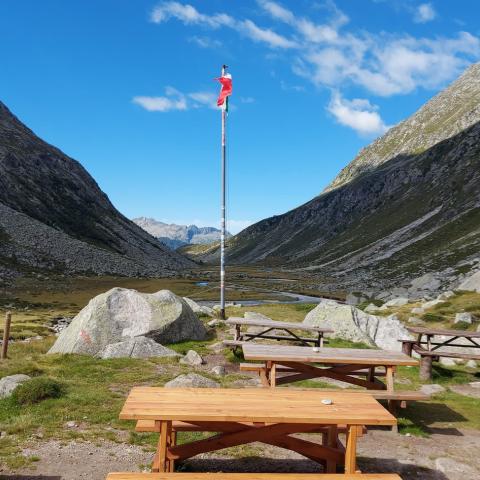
<point x="345" y="364"/>
<point x="270" y="325"/>
<point x="248" y="415"/>
<point x="429" y="349"/>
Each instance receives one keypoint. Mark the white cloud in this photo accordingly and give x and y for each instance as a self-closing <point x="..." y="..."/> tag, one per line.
<point x="424" y="13"/>
<point x="206" y="42"/>
<point x="176" y="100"/>
<point x="265" y="35"/>
<point x="189" y="15"/>
<point x="358" y="114"/>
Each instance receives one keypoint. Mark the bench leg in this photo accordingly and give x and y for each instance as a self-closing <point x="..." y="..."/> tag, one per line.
<point x="425" y="368"/>
<point x="393" y="409"/>
<point x="332" y="441"/>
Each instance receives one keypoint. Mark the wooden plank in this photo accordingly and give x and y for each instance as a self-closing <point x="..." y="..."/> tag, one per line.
<point x="438" y="353"/>
<point x="350" y="356"/>
<point x="444" y="332"/>
<point x="250" y="476"/>
<point x="276" y="324"/>
<point x="253" y="405"/>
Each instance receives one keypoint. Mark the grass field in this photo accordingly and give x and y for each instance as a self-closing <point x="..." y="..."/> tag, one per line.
<point x="94" y="390"/>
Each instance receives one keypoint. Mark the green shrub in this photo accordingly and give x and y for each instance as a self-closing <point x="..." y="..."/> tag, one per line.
<point x="473" y="308"/>
<point x="439" y="306"/>
<point x="432" y="317"/>
<point x="37" y="389"/>
<point x="461" y="326"/>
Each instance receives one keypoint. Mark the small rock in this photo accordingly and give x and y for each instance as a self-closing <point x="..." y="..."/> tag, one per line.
<point x="475" y="384"/>
<point x="471" y="364"/>
<point x="417" y="310"/>
<point x="71" y="424"/>
<point x="191" y="380"/>
<point x="219" y="370"/>
<point x="215" y="322"/>
<point x="216" y="347"/>
<point x="10" y="383"/>
<point x="466" y="390"/>
<point x="431" y="303"/>
<point x="446" y="295"/>
<point x="397" y="302"/>
<point x="447" y="362"/>
<point x="465" y="317"/>
<point x="416" y="321"/>
<point x="432" y="389"/>
<point x="192" y="358"/>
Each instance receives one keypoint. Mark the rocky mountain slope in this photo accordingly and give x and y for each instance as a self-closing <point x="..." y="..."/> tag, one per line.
<point x="175" y="236"/>
<point x="53" y="215"/>
<point x="407" y="205"/>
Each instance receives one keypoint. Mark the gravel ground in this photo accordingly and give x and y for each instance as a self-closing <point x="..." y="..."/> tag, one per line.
<point x="447" y="455"/>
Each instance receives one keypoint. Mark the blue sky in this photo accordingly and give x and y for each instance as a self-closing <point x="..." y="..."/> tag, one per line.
<point x="126" y="87"/>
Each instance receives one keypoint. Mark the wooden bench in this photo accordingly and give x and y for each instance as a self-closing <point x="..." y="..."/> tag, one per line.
<point x="252" y="476"/>
<point x="145" y="426"/>
<point x="429" y="356"/>
<point x="258" y="367"/>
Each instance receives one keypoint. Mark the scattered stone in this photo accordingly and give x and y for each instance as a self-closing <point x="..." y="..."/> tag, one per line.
<point x="138" y="347"/>
<point x="416" y="321"/>
<point x="466" y="390"/>
<point x="216" y="347"/>
<point x="200" y="309"/>
<point x="120" y="313"/>
<point x="191" y="380"/>
<point x="60" y="323"/>
<point x="219" y="370"/>
<point x="465" y="317"/>
<point x="10" y="383"/>
<point x="71" y="424"/>
<point x="427" y="282"/>
<point x="397" y="302"/>
<point x="471" y="284"/>
<point x="446" y="295"/>
<point x="192" y="358"/>
<point x="432" y="389"/>
<point x="417" y="310"/>
<point x="216" y="322"/>
<point x="352" y="299"/>
<point x="353" y="324"/>
<point x="471" y="364"/>
<point x="431" y="303"/>
<point x="447" y="362"/>
<point x="475" y="384"/>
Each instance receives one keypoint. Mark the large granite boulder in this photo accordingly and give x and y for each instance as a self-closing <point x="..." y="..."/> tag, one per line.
<point x="120" y="314"/>
<point x="137" y="347"/>
<point x="352" y="324"/>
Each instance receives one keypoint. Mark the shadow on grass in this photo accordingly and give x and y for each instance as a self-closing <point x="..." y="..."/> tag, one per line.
<point x="423" y="415"/>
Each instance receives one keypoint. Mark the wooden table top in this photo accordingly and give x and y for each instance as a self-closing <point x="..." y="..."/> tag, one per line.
<point x="254" y="405"/>
<point x="447" y="333"/>
<point x="276" y="324"/>
<point x="251" y="476"/>
<point x="353" y="356"/>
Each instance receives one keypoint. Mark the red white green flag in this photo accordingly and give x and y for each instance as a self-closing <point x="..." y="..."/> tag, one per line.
<point x="225" y="91"/>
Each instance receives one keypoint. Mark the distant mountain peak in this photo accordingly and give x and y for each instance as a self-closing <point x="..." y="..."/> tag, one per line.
<point x="175" y="236"/>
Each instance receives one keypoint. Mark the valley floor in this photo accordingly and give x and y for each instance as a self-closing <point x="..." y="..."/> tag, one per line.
<point x="79" y="435"/>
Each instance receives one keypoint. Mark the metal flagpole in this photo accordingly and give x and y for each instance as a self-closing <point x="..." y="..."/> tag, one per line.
<point x="222" y="221"/>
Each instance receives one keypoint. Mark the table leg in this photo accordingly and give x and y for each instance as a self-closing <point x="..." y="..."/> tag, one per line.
<point x="237" y="335"/>
<point x="332" y="441"/>
<point x="351" y="449"/>
<point x="160" y="462"/>
<point x="320" y="340"/>
<point x="273" y="375"/>
<point x="389" y="378"/>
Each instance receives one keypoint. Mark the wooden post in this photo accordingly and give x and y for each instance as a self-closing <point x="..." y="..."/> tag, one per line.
<point x="6" y="334"/>
<point x="425" y="367"/>
<point x="407" y="348"/>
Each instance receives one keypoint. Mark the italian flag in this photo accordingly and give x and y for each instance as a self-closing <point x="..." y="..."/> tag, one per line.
<point x="225" y="91"/>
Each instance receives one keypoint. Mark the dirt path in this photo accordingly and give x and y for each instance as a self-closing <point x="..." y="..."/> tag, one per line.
<point x="450" y="455"/>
